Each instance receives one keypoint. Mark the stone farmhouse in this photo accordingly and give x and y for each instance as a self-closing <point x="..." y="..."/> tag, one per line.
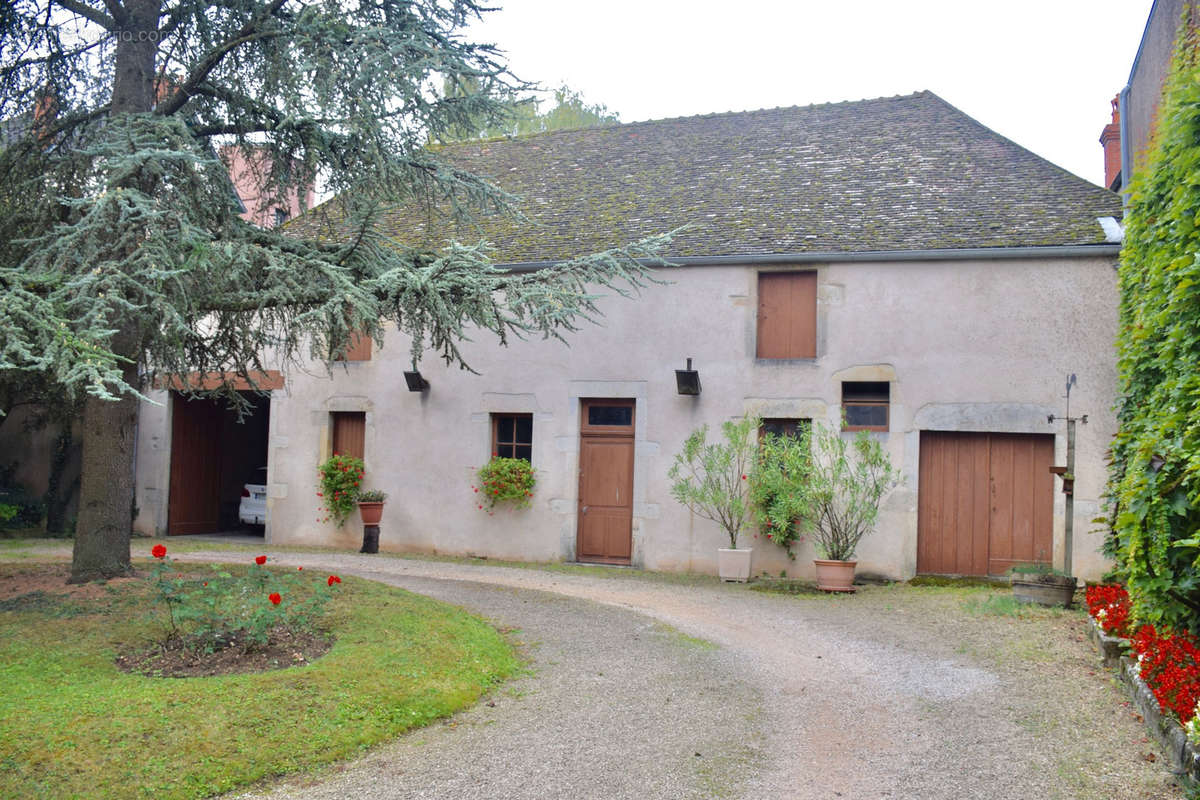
<point x="889" y="260"/>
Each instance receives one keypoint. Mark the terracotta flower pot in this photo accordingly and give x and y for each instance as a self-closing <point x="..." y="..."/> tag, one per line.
<point x="835" y="576"/>
<point x="371" y="513"/>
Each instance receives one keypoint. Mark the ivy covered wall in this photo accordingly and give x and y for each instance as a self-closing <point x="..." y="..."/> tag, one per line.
<point x="1154" y="483"/>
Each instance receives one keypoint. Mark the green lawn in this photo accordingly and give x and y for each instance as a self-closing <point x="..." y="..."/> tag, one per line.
<point x="73" y="725"/>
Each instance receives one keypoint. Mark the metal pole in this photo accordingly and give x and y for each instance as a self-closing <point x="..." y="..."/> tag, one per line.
<point x="1070" y="511"/>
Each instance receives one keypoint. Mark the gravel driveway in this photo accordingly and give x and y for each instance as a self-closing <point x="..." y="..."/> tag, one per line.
<point x="896" y="692"/>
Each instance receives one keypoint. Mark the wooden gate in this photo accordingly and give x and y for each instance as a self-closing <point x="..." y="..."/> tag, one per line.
<point x="986" y="502"/>
<point x="193" y="504"/>
<point x="605" y="529"/>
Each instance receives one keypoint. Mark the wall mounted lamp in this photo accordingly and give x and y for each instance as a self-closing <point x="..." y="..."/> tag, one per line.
<point x="687" y="381"/>
<point x="415" y="382"/>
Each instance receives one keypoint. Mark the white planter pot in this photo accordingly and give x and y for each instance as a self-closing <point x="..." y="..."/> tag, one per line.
<point x="733" y="565"/>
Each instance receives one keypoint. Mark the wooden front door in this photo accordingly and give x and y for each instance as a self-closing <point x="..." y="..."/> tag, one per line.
<point x="986" y="502"/>
<point x="605" y="529"/>
<point x="194" y="499"/>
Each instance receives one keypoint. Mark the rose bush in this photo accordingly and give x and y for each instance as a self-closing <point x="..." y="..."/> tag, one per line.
<point x="228" y="609"/>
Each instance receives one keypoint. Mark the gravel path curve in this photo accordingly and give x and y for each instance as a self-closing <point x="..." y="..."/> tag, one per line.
<point x="892" y="693"/>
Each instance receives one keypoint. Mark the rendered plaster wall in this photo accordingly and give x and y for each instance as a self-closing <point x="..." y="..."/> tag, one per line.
<point x="969" y="346"/>
<point x="1148" y="76"/>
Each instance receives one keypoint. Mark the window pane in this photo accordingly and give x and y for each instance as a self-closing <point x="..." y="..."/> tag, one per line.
<point x="784" y="427"/>
<point x="524" y="451"/>
<point x="504" y="450"/>
<point x="866" y="416"/>
<point x="504" y="429"/>
<point x="524" y="430"/>
<point x="878" y="391"/>
<point x="610" y="415"/>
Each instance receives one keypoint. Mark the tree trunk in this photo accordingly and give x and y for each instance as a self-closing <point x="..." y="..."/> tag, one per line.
<point x="106" y="492"/>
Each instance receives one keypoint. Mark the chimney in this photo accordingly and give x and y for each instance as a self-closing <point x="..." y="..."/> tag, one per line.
<point x="1110" y="138"/>
<point x="45" y="112"/>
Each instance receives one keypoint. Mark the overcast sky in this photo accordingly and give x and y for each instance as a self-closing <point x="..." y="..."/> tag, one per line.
<point x="1041" y="73"/>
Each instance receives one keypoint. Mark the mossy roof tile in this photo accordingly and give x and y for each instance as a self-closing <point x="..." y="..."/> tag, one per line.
<point x="897" y="173"/>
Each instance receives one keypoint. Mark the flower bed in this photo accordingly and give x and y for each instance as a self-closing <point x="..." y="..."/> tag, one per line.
<point x="1109" y="606"/>
<point x="1163" y="674"/>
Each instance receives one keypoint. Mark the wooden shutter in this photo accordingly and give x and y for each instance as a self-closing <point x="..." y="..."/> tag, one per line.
<point x="787" y="315"/>
<point x="349" y="433"/>
<point x="359" y="349"/>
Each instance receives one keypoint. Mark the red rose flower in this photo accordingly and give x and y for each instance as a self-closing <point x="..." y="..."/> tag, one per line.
<point x="299" y="568"/>
<point x="274" y="598"/>
<point x="158" y="551"/>
<point x="260" y="560"/>
<point x="333" y="579"/>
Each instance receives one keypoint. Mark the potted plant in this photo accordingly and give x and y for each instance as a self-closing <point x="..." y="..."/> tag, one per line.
<point x="710" y="479"/>
<point x="777" y="489"/>
<point x="340" y="479"/>
<point x="839" y="499"/>
<point x="370" y="506"/>
<point x="1042" y="584"/>
<point x="505" y="480"/>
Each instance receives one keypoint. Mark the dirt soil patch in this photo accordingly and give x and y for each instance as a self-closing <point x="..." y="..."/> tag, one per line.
<point x="44" y="587"/>
<point x="51" y="580"/>
<point x="184" y="658"/>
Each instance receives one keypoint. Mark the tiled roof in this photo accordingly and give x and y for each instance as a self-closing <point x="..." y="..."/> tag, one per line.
<point x="898" y="173"/>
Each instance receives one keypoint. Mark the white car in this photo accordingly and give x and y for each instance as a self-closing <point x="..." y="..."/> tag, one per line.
<point x="252" y="510"/>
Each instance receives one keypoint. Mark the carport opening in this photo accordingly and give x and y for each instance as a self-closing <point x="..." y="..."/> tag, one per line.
<point x="214" y="455"/>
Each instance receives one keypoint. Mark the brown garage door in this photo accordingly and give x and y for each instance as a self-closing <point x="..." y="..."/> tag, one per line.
<point x="986" y="502"/>
<point x="194" y="501"/>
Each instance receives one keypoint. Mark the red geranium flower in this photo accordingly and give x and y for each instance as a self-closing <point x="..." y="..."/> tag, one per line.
<point x="274" y="598"/>
<point x="333" y="579"/>
<point x="260" y="560"/>
<point x="158" y="551"/>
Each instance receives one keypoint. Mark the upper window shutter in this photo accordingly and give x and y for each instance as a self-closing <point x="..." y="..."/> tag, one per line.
<point x="787" y="315"/>
<point x="359" y="349"/>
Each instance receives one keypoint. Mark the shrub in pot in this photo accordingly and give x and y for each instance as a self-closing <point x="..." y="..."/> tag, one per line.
<point x="370" y="505"/>
<point x="839" y="499"/>
<point x="777" y="485"/>
<point x="710" y="479"/>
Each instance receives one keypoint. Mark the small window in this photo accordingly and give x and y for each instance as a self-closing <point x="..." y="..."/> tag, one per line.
<point x="349" y="433"/>
<point x="780" y="426"/>
<point x="512" y="436"/>
<point x="865" y="405"/>
<point x="610" y="415"/>
<point x="787" y="315"/>
<point x="281" y="216"/>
